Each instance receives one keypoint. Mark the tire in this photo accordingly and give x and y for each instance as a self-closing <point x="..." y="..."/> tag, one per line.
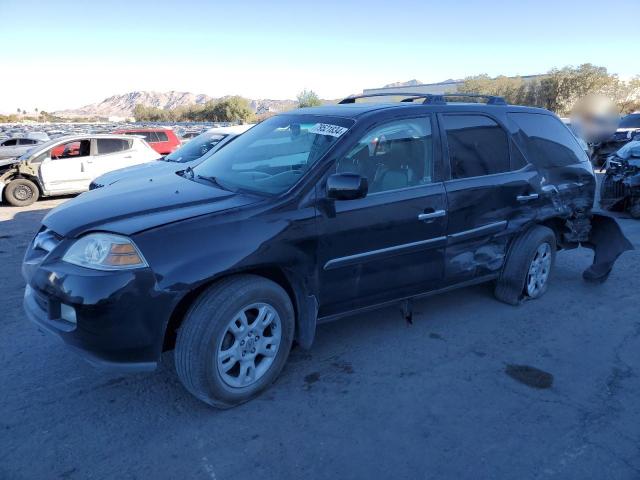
<point x="207" y="331"/>
<point x="634" y="209"/>
<point x="513" y="286"/>
<point x="21" y="192"/>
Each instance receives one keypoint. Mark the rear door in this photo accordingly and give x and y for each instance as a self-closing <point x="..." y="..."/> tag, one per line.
<point x="109" y="154"/>
<point x="489" y="192"/>
<point x="391" y="243"/>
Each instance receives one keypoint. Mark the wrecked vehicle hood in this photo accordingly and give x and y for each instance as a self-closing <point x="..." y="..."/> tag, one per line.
<point x="9" y="161"/>
<point x="147" y="202"/>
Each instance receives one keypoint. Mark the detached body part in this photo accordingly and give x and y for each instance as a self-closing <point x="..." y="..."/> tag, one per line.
<point x="307" y="217"/>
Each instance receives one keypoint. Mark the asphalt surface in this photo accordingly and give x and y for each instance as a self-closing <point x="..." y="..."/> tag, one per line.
<point x="473" y="389"/>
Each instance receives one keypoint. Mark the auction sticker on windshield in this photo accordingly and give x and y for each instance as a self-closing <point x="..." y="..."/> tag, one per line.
<point x="327" y="129"/>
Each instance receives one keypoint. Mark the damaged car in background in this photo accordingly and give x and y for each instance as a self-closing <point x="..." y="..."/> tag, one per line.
<point x="310" y="216"/>
<point x="620" y="189"/>
<point x="628" y="129"/>
<point x="67" y="165"/>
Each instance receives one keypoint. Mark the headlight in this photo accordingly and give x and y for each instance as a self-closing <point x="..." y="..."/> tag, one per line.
<point x="105" y="251"/>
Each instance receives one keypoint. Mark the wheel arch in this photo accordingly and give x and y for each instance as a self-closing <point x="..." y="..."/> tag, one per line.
<point x="304" y="305"/>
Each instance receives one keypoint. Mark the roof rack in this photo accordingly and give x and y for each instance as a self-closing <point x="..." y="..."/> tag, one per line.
<point x="429" y="98"/>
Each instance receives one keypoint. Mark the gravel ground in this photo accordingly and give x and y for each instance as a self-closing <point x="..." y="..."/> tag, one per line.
<point x="455" y="395"/>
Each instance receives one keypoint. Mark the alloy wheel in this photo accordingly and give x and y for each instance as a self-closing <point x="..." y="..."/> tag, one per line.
<point x="539" y="269"/>
<point x="249" y="345"/>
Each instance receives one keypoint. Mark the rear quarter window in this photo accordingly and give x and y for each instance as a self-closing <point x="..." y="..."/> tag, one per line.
<point x="162" y="137"/>
<point x="547" y="142"/>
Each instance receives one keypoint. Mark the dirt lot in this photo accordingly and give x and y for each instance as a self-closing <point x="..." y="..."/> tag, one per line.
<point x="374" y="398"/>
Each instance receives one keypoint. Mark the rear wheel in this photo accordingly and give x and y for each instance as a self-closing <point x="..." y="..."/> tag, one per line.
<point x="235" y="340"/>
<point x="526" y="271"/>
<point x="21" y="192"/>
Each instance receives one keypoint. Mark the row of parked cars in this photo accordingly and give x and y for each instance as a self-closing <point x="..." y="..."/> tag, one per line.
<point x="309" y="216"/>
<point x="68" y="164"/>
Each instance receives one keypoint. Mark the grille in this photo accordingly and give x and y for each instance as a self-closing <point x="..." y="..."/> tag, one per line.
<point x="612" y="188"/>
<point x="46" y="240"/>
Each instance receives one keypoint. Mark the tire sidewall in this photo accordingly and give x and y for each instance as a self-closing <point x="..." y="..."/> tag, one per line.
<point x="11" y="187"/>
<point x="264" y="293"/>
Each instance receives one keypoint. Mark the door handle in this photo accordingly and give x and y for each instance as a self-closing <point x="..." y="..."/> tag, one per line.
<point x="427" y="217"/>
<point x="128" y="156"/>
<point x="526" y="198"/>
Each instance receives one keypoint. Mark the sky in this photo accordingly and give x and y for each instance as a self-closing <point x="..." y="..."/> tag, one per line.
<point x="64" y="54"/>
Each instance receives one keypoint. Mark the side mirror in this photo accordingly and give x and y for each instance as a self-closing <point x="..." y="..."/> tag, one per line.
<point x="347" y="186"/>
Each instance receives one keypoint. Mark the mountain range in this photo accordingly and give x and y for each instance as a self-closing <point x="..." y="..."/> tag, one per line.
<point x="123" y="105"/>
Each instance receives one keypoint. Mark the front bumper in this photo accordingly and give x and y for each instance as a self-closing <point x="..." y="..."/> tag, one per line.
<point x="118" y="319"/>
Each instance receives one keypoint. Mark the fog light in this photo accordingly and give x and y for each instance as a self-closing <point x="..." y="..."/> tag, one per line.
<point x="68" y="313"/>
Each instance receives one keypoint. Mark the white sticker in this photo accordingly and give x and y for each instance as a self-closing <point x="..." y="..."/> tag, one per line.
<point x="327" y="129"/>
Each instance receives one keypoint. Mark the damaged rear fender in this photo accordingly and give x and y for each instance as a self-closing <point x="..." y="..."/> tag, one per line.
<point x="608" y="242"/>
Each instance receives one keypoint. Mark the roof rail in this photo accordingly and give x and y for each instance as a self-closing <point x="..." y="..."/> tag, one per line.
<point x="429" y="98"/>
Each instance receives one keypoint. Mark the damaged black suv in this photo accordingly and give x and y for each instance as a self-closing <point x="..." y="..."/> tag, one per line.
<point x="310" y="216"/>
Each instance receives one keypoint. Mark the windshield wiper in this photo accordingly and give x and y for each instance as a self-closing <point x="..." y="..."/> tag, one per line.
<point x="212" y="180"/>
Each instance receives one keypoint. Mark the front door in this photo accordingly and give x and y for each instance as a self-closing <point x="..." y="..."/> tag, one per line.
<point x="67" y="169"/>
<point x="391" y="243"/>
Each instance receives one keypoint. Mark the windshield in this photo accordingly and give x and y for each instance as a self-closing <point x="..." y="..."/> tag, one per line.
<point x="39" y="148"/>
<point x="196" y="148"/>
<point x="272" y="156"/>
<point x="630" y="121"/>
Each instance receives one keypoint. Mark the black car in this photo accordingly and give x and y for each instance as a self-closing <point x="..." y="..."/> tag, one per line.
<point x="310" y="216"/>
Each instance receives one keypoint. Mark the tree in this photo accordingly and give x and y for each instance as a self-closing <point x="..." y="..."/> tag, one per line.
<point x="230" y="109"/>
<point x="308" y="98"/>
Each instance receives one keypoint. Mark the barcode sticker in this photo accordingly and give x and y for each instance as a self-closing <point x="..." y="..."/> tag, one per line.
<point x="327" y="129"/>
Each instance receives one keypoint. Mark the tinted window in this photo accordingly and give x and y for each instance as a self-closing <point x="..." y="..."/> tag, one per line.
<point x="10" y="143"/>
<point x="477" y="146"/>
<point x="111" y="145"/>
<point x="631" y="121"/>
<point x="148" y="136"/>
<point x="547" y="141"/>
<point x="395" y="155"/>
<point x="27" y="141"/>
<point x="162" y="137"/>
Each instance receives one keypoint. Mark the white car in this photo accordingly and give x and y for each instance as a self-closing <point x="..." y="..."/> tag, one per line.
<point x="68" y="165"/>
<point x="14" y="147"/>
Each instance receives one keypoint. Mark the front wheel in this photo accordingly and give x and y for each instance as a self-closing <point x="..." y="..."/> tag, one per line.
<point x="235" y="340"/>
<point x="21" y="192"/>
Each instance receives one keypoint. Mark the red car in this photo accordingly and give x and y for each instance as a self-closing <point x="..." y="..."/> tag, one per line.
<point x="162" y="140"/>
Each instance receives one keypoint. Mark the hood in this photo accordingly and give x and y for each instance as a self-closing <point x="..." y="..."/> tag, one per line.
<point x="130" y="173"/>
<point x="8" y="161"/>
<point x="139" y="204"/>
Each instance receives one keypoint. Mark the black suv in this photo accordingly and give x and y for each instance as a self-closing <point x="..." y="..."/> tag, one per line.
<point x="310" y="216"/>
